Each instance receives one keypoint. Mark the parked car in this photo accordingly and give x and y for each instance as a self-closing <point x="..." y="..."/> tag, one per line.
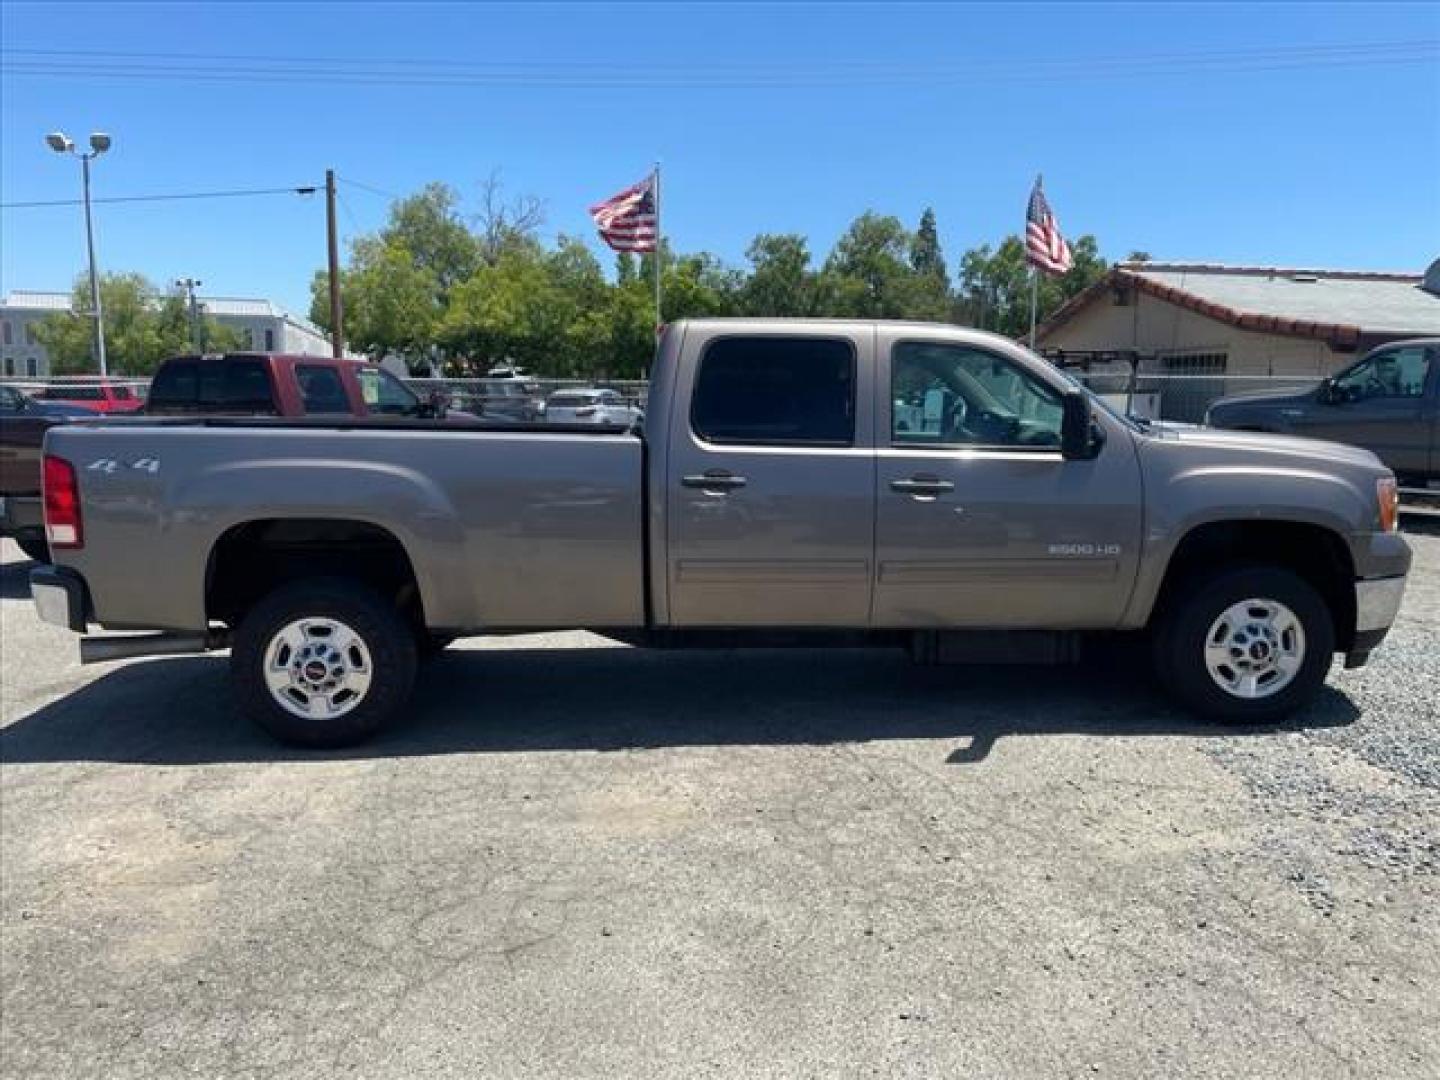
<point x="1388" y="402"/>
<point x="589" y="407"/>
<point x="273" y="384"/>
<point x="97" y="396"/>
<point x="508" y="399"/>
<point x="23" y="423"/>
<point x="771" y="497"/>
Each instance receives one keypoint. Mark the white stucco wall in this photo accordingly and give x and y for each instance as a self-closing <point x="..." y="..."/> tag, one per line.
<point x="1149" y="324"/>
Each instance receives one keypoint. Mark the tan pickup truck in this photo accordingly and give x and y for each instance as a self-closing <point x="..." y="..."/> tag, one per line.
<point x="825" y="482"/>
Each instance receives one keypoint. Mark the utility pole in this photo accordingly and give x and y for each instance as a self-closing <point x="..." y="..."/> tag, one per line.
<point x="337" y="332"/>
<point x="197" y="330"/>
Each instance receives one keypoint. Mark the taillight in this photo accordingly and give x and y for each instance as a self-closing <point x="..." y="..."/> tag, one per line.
<point x="63" y="527"/>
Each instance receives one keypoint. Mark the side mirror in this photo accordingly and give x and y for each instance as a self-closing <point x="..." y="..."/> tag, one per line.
<point x="1326" y="393"/>
<point x="1076" y="441"/>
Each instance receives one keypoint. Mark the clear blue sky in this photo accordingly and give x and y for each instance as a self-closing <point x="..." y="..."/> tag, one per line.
<point x="1332" y="165"/>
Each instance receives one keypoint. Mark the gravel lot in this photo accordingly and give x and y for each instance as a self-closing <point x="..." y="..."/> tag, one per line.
<point x="578" y="860"/>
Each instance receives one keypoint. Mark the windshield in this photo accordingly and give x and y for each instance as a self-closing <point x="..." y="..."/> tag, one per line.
<point x="385" y="395"/>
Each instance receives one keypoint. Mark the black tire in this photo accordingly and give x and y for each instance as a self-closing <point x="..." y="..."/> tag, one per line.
<point x="1180" y="638"/>
<point x="385" y="634"/>
<point x="32" y="543"/>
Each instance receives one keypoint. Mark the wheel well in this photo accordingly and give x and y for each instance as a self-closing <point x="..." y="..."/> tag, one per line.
<point x="253" y="559"/>
<point x="1314" y="552"/>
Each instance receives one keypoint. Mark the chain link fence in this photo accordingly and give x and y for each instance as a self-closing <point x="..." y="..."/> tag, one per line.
<point x="1167" y="394"/>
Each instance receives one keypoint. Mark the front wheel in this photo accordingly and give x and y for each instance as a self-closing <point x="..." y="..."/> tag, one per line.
<point x="1245" y="644"/>
<point x="323" y="664"/>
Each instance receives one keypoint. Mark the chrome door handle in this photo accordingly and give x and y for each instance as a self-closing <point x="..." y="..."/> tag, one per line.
<point x="713" y="481"/>
<point x="922" y="485"/>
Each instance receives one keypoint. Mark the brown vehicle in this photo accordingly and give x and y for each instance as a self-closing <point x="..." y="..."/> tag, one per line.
<point x="23" y="423"/>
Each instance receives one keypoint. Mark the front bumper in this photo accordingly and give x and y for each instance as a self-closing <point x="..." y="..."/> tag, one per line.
<point x="1377" y="603"/>
<point x="60" y="597"/>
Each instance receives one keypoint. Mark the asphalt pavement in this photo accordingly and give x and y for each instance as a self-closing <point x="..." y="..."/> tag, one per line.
<point x="575" y="860"/>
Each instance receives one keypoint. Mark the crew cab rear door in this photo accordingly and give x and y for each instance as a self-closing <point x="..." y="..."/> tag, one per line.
<point x="980" y="522"/>
<point x="770" y="478"/>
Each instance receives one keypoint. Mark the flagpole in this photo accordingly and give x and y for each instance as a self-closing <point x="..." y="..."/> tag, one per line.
<point x="659" y="246"/>
<point x="1034" y="273"/>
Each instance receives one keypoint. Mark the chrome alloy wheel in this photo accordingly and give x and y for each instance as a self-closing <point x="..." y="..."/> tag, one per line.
<point x="317" y="668"/>
<point x="1255" y="648"/>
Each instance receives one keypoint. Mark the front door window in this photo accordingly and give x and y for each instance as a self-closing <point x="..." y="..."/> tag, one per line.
<point x="956" y="395"/>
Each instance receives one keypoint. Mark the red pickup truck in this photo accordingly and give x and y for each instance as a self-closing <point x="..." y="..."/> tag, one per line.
<point x="239" y="384"/>
<point x="273" y="384"/>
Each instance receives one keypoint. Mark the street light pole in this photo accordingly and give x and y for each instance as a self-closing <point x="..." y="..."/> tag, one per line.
<point x="197" y="328"/>
<point x="99" y="143"/>
<point x="94" y="274"/>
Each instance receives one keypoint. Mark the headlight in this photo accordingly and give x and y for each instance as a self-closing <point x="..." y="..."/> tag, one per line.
<point x="1387" y="492"/>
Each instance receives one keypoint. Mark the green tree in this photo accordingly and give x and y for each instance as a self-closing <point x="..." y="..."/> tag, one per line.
<point x="142" y="328"/>
<point x="925" y="255"/>
<point x="780" y="282"/>
<point x="431" y="228"/>
<point x="390" y="301"/>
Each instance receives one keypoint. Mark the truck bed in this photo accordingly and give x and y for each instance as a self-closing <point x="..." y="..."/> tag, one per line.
<point x="505" y="525"/>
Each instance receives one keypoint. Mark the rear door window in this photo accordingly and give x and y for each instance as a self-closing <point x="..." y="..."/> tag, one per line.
<point x="784" y="390"/>
<point x="321" y="389"/>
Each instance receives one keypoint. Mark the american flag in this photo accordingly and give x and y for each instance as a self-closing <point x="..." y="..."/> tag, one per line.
<point x="629" y="221"/>
<point x="1044" y="246"/>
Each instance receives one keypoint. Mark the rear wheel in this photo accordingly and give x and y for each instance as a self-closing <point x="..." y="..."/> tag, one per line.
<point x="323" y="663"/>
<point x="1245" y="644"/>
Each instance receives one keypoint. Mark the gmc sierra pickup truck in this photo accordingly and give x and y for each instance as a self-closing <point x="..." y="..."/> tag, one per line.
<point x="774" y="495"/>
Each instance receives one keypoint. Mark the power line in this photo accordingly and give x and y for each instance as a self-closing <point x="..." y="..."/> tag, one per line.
<point x="349" y="214"/>
<point x="224" y="67"/>
<point x="306" y="189"/>
<point x="844" y="66"/>
<point x="369" y="187"/>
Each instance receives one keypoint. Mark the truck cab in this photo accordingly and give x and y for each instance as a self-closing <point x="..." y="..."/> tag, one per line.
<point x="1388" y="402"/>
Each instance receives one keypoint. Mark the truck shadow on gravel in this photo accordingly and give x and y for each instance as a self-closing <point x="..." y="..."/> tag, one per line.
<point x="179" y="711"/>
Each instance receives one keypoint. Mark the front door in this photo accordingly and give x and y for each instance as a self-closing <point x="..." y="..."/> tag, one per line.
<point x="979" y="520"/>
<point x="1379" y="404"/>
<point x="770" y="490"/>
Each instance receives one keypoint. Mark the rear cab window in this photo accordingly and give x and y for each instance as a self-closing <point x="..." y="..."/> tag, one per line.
<point x="239" y="385"/>
<point x="775" y="391"/>
<point x="322" y="390"/>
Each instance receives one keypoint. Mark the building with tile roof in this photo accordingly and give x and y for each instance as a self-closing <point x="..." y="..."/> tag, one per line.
<point x="1243" y="320"/>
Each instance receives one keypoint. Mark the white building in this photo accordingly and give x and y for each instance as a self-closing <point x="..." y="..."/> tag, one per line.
<point x="263" y="326"/>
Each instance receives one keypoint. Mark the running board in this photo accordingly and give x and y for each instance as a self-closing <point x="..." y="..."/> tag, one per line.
<point x="100" y="650"/>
